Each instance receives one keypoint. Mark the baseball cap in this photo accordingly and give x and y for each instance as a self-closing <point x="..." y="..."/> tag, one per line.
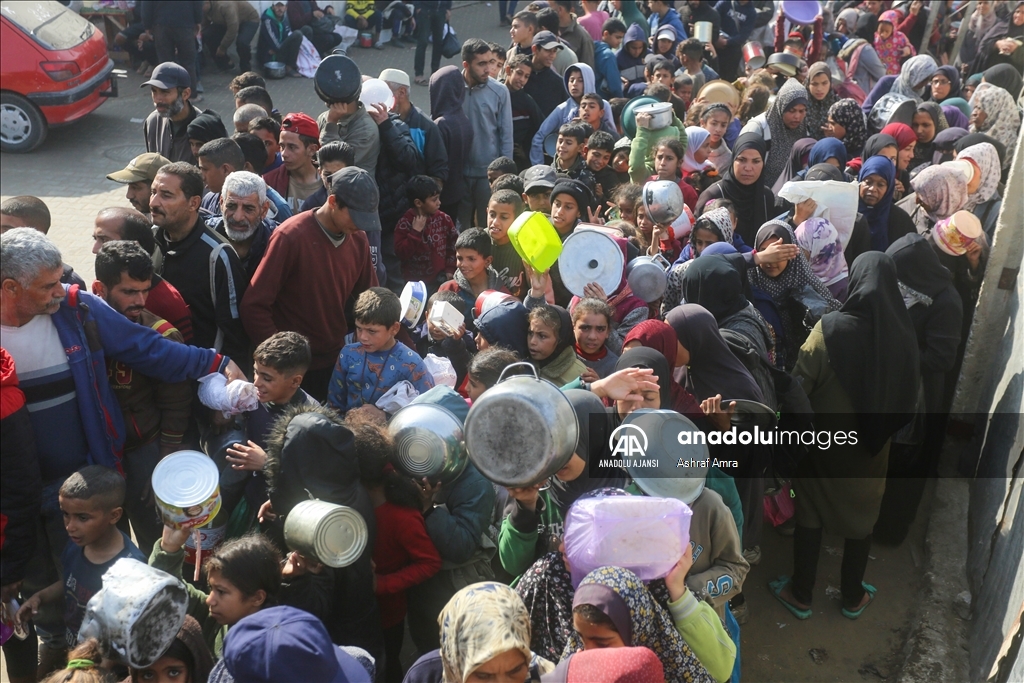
<point x="142" y="167"/>
<point x="546" y="40"/>
<point x="395" y="76"/>
<point x="302" y="124"/>
<point x="360" y="194"/>
<point x="169" y="75"/>
<point x="666" y="32"/>
<point x="287" y="644"/>
<point x="539" y="176"/>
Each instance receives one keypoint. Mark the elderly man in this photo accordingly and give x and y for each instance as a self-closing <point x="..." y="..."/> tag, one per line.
<point x="60" y="338"/>
<point x="192" y="255"/>
<point x="245" y="114"/>
<point x="166" y="128"/>
<point x="243" y="220"/>
<point x="138" y="176"/>
<point x="27" y="211"/>
<point x="424" y="131"/>
<point x="118" y="223"/>
<point x="156" y="413"/>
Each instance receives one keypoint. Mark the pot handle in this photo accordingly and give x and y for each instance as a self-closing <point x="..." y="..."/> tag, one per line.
<point x="659" y="258"/>
<point x="533" y="370"/>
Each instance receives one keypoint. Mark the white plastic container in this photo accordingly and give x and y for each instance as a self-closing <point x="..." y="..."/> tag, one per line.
<point x="446" y="317"/>
<point x="643" y="534"/>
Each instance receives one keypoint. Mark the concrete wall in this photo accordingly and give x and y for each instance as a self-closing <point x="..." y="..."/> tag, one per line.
<point x="986" y="444"/>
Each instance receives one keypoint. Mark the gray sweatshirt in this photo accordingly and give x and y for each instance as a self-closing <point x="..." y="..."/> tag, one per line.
<point x="489" y="110"/>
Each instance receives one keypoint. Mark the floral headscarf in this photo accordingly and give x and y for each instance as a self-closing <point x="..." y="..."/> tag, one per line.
<point x="914" y="75"/>
<point x="1002" y="118"/>
<point x="821" y="240"/>
<point x="546" y="590"/>
<point x="985" y="156"/>
<point x="649" y="625"/>
<point x="941" y="188"/>
<point x="480" y="622"/>
<point x="847" y="113"/>
<point x="794" y="278"/>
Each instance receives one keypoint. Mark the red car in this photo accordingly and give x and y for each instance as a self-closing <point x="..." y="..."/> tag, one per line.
<point x="54" y="69"/>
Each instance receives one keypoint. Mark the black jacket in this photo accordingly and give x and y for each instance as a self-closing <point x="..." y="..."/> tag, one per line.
<point x="21" y="484"/>
<point x="526" y="120"/>
<point x="399" y="160"/>
<point x="547" y="89"/>
<point x="187" y="266"/>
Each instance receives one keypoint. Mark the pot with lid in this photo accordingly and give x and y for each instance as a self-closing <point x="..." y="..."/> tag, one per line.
<point x="647" y="276"/>
<point x="590" y="256"/>
<point x="428" y="442"/>
<point x="660" y="113"/>
<point x="522" y="430"/>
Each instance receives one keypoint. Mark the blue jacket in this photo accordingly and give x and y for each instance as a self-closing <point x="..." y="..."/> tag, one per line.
<point x="606" y="70"/>
<point x="671" y="18"/>
<point x="90" y="331"/>
<point x="737" y="20"/>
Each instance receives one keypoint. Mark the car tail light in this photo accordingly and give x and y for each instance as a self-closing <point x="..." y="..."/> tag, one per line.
<point x="61" y="71"/>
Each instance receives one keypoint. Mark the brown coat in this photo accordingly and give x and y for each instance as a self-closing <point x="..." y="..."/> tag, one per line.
<point x="231" y="13"/>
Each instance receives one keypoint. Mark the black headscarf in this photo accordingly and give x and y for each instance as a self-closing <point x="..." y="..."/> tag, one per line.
<point x="595" y="426"/>
<point x="643" y="357"/>
<point x="713" y="283"/>
<point x="876" y="143"/>
<point x="918" y="266"/>
<point x="566" y="337"/>
<point x="872" y="347"/>
<point x="749" y="200"/>
<point x="824" y="172"/>
<point x="972" y="139"/>
<point x="1006" y="77"/>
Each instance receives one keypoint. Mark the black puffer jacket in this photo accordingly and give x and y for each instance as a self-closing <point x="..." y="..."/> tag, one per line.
<point x="399" y="160"/>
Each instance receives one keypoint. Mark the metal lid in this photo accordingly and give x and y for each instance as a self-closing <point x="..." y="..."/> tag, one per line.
<point x="340" y="536"/>
<point x="413" y="302"/>
<point x="337" y="79"/>
<point x="661" y="430"/>
<point x="749" y="413"/>
<point x="590" y="256"/>
<point x="185" y="478"/>
<point x="653" y="108"/>
<point x="428" y="440"/>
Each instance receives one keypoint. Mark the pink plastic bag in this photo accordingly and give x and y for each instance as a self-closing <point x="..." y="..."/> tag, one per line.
<point x="643" y="534"/>
<point x="779" y="505"/>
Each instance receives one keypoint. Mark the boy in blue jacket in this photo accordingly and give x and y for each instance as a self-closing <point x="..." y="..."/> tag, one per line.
<point x="609" y="81"/>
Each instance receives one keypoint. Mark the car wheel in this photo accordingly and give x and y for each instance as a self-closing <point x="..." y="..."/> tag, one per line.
<point x="22" y="126"/>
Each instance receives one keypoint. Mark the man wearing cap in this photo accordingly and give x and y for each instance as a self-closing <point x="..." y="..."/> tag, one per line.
<point x="489" y="110"/>
<point x="166" y="128"/>
<point x="547" y="20"/>
<point x="537" y="184"/>
<point x="138" y="176"/>
<point x="569" y="30"/>
<point x="545" y="86"/>
<point x="346" y="119"/>
<point x="315" y="262"/>
<point x="297" y="177"/>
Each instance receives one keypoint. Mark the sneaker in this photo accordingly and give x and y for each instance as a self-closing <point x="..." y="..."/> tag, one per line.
<point x="199" y="87"/>
<point x="397" y="42"/>
<point x="752" y="555"/>
<point x="741" y="613"/>
<point x="378" y="45"/>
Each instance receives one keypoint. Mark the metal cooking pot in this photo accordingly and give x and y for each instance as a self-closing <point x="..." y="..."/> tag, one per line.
<point x="784" y="63"/>
<point x="663" y="201"/>
<point x="590" y="256"/>
<point x="428" y="442"/>
<point x="274" y="69"/>
<point x="891" y="108"/>
<point x="661" y="115"/>
<point x="337" y="79"/>
<point x="522" y="430"/>
<point x="648" y="276"/>
<point x="629" y="114"/>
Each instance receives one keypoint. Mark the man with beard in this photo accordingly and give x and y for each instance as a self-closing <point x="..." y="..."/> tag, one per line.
<point x="216" y="159"/>
<point x="118" y="223"/>
<point x="166" y="128"/>
<point x="138" y="176"/>
<point x="192" y="255"/>
<point x="155" y="413"/>
<point x="60" y="337"/>
<point x="243" y="220"/>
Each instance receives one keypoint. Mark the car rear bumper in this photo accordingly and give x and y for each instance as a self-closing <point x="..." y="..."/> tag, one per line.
<point x="79" y="92"/>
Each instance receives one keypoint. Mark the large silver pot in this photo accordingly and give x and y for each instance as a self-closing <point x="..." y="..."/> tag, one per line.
<point x="428" y="442"/>
<point x="647" y="276"/>
<point x="660" y="112"/>
<point x="522" y="430"/>
<point x="663" y="201"/>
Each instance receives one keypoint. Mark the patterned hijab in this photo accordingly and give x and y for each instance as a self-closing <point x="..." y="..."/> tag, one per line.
<point x="847" y="113"/>
<point x="791" y="94"/>
<point x="1002" y="118"/>
<point x="717" y="221"/>
<point x="480" y="622"/>
<point x="640" y="621"/>
<point x="546" y="591"/>
<point x="821" y="240"/>
<point x="877" y="216"/>
<point x="914" y="76"/>
<point x="987" y="159"/>
<point x="941" y="188"/>
<point x="794" y="278"/>
<point x="817" y="110"/>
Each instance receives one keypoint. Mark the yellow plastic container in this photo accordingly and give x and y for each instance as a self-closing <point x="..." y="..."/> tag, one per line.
<point x="535" y="240"/>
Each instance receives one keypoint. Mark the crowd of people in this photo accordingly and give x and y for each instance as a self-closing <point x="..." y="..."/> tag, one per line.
<point x="840" y="184"/>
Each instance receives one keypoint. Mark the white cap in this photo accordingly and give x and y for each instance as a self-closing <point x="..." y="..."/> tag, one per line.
<point x="396" y="76"/>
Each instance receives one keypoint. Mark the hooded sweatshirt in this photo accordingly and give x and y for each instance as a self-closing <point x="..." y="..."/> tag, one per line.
<point x="506" y="325"/>
<point x="632" y="69"/>
<point x="447" y="93"/>
<point x="609" y="84"/>
<point x="489" y="109"/>
<point x="566" y="112"/>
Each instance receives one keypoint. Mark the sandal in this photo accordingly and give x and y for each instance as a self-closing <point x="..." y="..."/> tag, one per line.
<point x="870" y="590"/>
<point x="421" y="80"/>
<point x="776" y="586"/>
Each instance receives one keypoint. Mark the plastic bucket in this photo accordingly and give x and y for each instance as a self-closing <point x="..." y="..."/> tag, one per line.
<point x="535" y="240"/>
<point x="413" y="301"/>
<point x="186" y="485"/>
<point x="333" y="534"/>
<point x="365" y="39"/>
